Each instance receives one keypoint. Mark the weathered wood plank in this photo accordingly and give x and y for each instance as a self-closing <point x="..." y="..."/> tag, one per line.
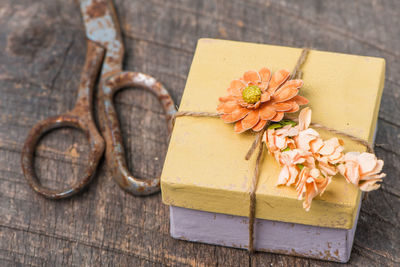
<point x="43" y="51"/>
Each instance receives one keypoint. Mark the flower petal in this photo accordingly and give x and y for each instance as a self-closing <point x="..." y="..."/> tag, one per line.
<point x="314" y="173"/>
<point x="301" y="181"/>
<point x="251" y="77"/>
<point x="297" y="83"/>
<point x="261" y="124"/>
<point x="316" y="145"/>
<point x="238" y="127"/>
<point x="310" y="194"/>
<point x="288" y="90"/>
<point x="235" y="87"/>
<point x="378" y="167"/>
<point x="330" y="146"/>
<point x="292" y="131"/>
<point x="322" y="184"/>
<point x="285" y="93"/>
<point x="277" y="79"/>
<point x="367" y="162"/>
<point x="270" y="140"/>
<point x="327" y="169"/>
<point x="283" y="175"/>
<point x="226" y="98"/>
<point x="265" y="97"/>
<point x="267" y="112"/>
<point x="295" y="106"/>
<point x="283" y="106"/>
<point x="300" y="100"/>
<point x="336" y="157"/>
<point x="251" y="119"/>
<point x="280" y="142"/>
<point x="236" y="115"/>
<point x="228" y="107"/>
<point x="352" y="172"/>
<point x="293" y="173"/>
<point x="265" y="74"/>
<point x="263" y="86"/>
<point x="305" y="137"/>
<point x="304" y="118"/>
<point x="370" y="185"/>
<point x="375" y="176"/>
<point x="278" y="116"/>
<point x="352" y="155"/>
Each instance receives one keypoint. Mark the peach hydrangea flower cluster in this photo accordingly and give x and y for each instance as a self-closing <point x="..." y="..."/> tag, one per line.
<point x="259" y="97"/>
<point x="309" y="162"/>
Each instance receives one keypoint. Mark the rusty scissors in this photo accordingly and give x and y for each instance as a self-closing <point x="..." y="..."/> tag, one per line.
<point x="104" y="57"/>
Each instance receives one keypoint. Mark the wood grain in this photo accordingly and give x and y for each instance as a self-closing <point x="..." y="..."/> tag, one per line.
<point x="43" y="49"/>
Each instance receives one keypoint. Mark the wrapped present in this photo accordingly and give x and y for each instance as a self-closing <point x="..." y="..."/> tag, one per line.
<point x="206" y="180"/>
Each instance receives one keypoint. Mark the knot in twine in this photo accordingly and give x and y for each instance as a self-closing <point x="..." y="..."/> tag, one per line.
<point x="296" y="74"/>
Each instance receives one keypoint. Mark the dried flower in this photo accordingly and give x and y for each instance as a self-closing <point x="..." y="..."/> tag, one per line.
<point x="362" y="170"/>
<point x="279" y="139"/>
<point x="311" y="184"/>
<point x="258" y="98"/>
<point x="327" y="153"/>
<point x="291" y="161"/>
<point x="309" y="162"/>
<point x="306" y="135"/>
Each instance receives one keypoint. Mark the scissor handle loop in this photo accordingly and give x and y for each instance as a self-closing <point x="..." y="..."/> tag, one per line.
<point x="80" y="118"/>
<point x="96" y="146"/>
<point x="115" y="154"/>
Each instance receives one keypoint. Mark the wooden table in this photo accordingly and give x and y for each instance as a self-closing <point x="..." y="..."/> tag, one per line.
<point x="42" y="51"/>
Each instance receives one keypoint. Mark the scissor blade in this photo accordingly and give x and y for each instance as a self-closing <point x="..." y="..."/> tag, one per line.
<point x="102" y="27"/>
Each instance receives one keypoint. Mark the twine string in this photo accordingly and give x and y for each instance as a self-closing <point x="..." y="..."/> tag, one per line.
<point x="257" y="143"/>
<point x="195" y="114"/>
<point x="297" y="73"/>
<point x="368" y="146"/>
<point x="356" y="139"/>
<point x="253" y="187"/>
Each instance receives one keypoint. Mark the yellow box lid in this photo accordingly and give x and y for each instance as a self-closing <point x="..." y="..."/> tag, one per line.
<point x="205" y="167"/>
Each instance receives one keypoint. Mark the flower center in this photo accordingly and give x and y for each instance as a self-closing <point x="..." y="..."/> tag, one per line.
<point x="251" y="94"/>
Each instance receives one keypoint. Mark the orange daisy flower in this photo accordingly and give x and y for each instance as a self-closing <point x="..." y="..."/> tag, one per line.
<point x="259" y="97"/>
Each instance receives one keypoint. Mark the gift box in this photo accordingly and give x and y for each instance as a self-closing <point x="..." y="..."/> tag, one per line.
<point x="206" y="179"/>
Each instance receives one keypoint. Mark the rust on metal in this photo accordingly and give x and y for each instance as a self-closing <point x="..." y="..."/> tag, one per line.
<point x="115" y="154"/>
<point x="97" y="9"/>
<point x="79" y="117"/>
<point x="104" y="30"/>
<point x="104" y="55"/>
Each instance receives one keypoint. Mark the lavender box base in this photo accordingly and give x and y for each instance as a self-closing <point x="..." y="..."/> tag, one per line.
<point x="270" y="236"/>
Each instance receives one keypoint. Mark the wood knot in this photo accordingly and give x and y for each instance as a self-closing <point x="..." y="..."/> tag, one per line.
<point x="28" y="41"/>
